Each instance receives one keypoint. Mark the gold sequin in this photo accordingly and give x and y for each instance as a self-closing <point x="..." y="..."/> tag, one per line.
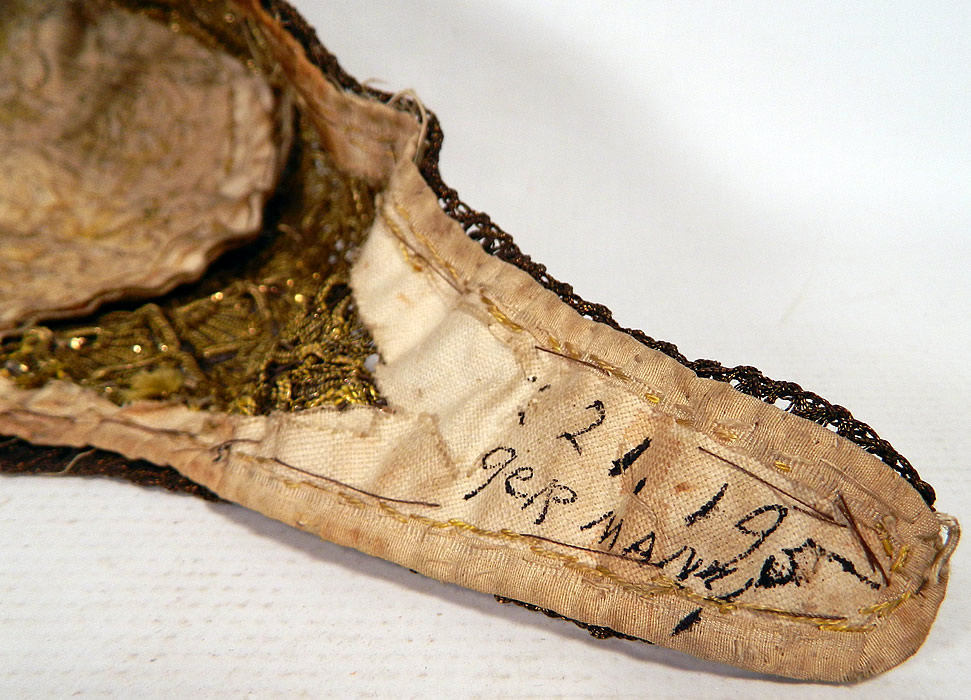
<point x="258" y="332"/>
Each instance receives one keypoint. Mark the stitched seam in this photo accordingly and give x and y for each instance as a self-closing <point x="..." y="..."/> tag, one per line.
<point x="661" y="585"/>
<point x="569" y="351"/>
<point x="563" y="349"/>
<point x="325" y="107"/>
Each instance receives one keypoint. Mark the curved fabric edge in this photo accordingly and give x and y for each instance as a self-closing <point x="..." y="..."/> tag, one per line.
<point x="516" y="296"/>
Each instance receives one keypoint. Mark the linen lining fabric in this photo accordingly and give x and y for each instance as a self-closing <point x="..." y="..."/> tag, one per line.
<point x="500" y="439"/>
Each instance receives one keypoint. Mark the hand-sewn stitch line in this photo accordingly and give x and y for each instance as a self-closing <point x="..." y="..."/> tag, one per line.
<point x="341" y="484"/>
<point x="422" y="238"/>
<point x="900" y="560"/>
<point x="814" y="512"/>
<point x="827" y="623"/>
<point x="396" y="232"/>
<point x="660" y="585"/>
<point x="497" y="314"/>
<point x="885" y="538"/>
<point x="870" y="556"/>
<point x="568" y="352"/>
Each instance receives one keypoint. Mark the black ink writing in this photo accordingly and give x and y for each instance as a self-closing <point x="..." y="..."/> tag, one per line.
<point x="706" y="509"/>
<point x="775" y="512"/>
<point x="687" y="622"/>
<point x="624" y="463"/>
<point x="597" y="406"/>
<point x="494" y="460"/>
<point x="674" y="548"/>
<point x="760" y="524"/>
<point x="553" y="492"/>
<point x="610" y="531"/>
<point x="523" y="474"/>
<point x="802" y="558"/>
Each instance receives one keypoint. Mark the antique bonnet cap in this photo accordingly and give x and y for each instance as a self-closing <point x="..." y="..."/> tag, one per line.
<point x="385" y="368"/>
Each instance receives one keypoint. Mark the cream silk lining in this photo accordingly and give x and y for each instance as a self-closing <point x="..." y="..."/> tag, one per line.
<point x="530" y="452"/>
<point x="145" y="194"/>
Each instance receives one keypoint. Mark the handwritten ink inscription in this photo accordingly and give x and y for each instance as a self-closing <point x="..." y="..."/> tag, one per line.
<point x="624" y="463"/>
<point x="553" y="492"/>
<point x="683" y="548"/>
<point x="597" y="406"/>
<point x="789" y="565"/>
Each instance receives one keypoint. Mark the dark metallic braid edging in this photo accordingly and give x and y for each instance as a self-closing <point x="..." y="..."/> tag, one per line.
<point x="495" y="241"/>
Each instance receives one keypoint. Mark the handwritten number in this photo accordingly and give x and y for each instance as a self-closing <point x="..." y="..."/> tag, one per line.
<point x="624" y="463"/>
<point x="760" y="534"/>
<point x="706" y="508"/>
<point x="598" y="406"/>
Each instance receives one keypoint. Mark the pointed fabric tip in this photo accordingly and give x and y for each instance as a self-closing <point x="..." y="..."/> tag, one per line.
<point x="382" y="367"/>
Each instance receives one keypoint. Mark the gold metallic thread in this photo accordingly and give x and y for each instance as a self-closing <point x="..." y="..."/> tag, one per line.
<point x="269" y="327"/>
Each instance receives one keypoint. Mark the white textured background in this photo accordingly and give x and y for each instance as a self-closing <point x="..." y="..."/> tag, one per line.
<point x="783" y="185"/>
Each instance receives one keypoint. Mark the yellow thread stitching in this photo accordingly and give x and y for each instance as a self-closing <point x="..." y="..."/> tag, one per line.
<point x="566" y="348"/>
<point x="725" y="434"/>
<point x="423" y="239"/>
<point x="612" y="370"/>
<point x="657" y="586"/>
<point x="351" y="500"/>
<point x="796" y="617"/>
<point x="412" y="260"/>
<point x="428" y="521"/>
<point x="883" y="609"/>
<point x="572" y="350"/>
<point x="884" y="537"/>
<point x="438" y="258"/>
<point x="499" y="315"/>
<point x="462" y="525"/>
<point x="451" y="278"/>
<point x="663" y="585"/>
<point x="554" y="344"/>
<point x="901" y="559"/>
<point x="392" y="512"/>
